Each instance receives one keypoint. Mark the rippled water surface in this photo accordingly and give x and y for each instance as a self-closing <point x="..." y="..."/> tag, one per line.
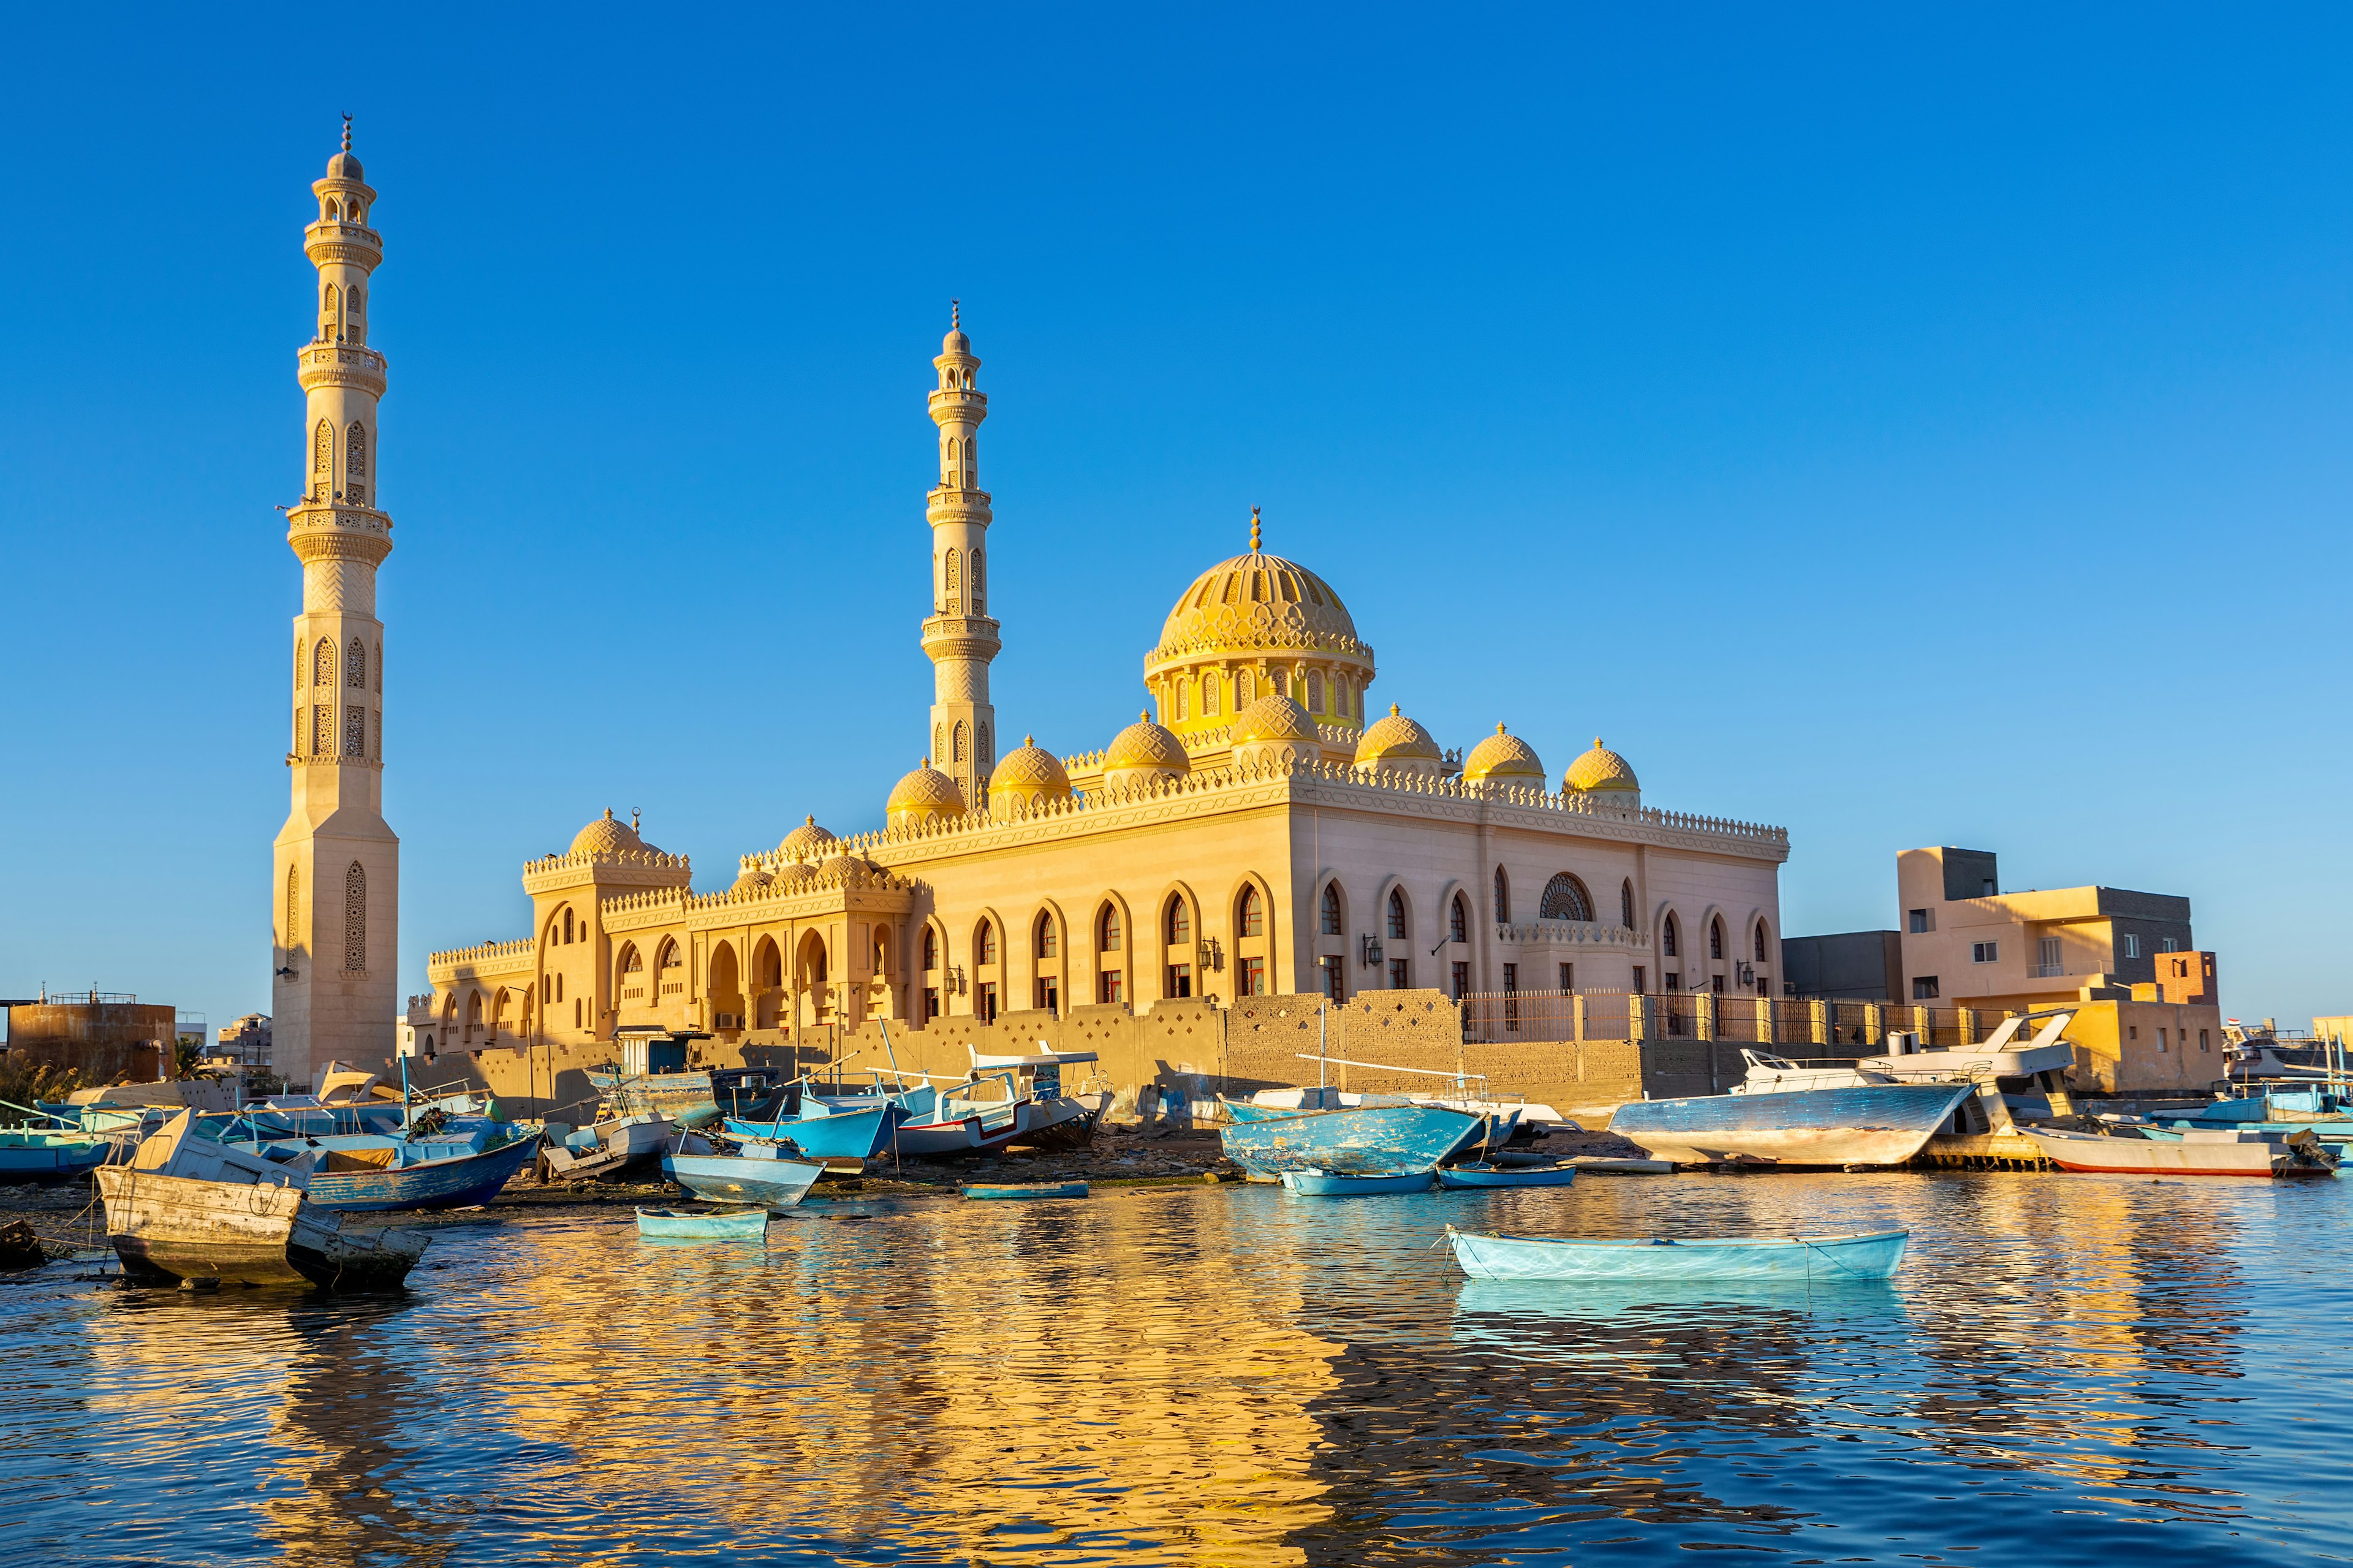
<point x="2067" y="1370"/>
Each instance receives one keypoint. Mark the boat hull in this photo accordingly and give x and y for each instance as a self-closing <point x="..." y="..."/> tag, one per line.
<point x="461" y="1183"/>
<point x="840" y="1135"/>
<point x="1825" y="1258"/>
<point x="730" y="1178"/>
<point x="1371" y="1140"/>
<point x="1462" y="1177"/>
<point x="1859" y="1124"/>
<point x="2190" y="1156"/>
<point x="171" y="1228"/>
<point x="667" y="1223"/>
<point x="50" y="1157"/>
<point x="1333" y="1184"/>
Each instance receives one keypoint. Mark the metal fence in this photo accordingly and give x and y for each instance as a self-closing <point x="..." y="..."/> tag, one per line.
<point x="1819" y="1028"/>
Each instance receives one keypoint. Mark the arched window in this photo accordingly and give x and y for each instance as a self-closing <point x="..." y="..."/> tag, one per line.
<point x="1048" y="945"/>
<point x="1179" y="924"/>
<point x="1457" y="920"/>
<point x="355" y="731"/>
<point x="1626" y="903"/>
<point x="979" y="581"/>
<point x="1210" y="694"/>
<point x="1667" y="941"/>
<point x="1716" y="938"/>
<point x="1565" y="899"/>
<point x="322" y="461"/>
<point x="1241" y="690"/>
<point x="293" y="908"/>
<point x="379" y="666"/>
<point x="568" y="922"/>
<point x="955" y="598"/>
<point x="959" y="742"/>
<point x="940" y="741"/>
<point x="355" y="664"/>
<point x="981" y="753"/>
<point x="354" y="918"/>
<point x="1182" y="688"/>
<point x="356" y="464"/>
<point x="1397" y="915"/>
<point x="668" y="958"/>
<point x="1503" y="897"/>
<point x="930" y="949"/>
<point x="1314" y="691"/>
<point x="1332" y="908"/>
<point x="1760" y="941"/>
<point x="1253" y="914"/>
<point x="1107" y="929"/>
<point x="323" y="663"/>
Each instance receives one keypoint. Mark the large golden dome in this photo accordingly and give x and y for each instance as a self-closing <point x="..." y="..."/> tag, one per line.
<point x="1600" y="769"/>
<point x="1504" y="758"/>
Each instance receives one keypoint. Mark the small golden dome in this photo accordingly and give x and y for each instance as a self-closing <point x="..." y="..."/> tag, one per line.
<point x="1273" y="718"/>
<point x="753" y="882"/>
<point x="606" y="837"/>
<point x="1397" y="739"/>
<point x="1504" y="758"/>
<point x="844" y="865"/>
<point x="1025" y="776"/>
<point x="805" y="842"/>
<point x="923" y="796"/>
<point x="1601" y="768"/>
<point x="1146" y="745"/>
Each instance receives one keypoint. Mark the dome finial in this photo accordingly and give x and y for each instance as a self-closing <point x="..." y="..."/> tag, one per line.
<point x="955" y="315"/>
<point x="1253" y="531"/>
<point x="633" y="820"/>
<point x="347" y="132"/>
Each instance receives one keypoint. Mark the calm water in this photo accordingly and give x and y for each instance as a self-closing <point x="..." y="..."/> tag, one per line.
<point x="2067" y="1370"/>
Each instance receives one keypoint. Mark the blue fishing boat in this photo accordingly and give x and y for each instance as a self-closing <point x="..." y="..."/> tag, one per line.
<point x="28" y="1155"/>
<point x="1873" y="1255"/>
<point x="420" y="1173"/>
<point x="1361" y="1140"/>
<point x="762" y="1174"/>
<point x="1484" y="1175"/>
<point x="1008" y="1192"/>
<point x="736" y="1225"/>
<point x="1853" y="1124"/>
<point x="824" y="1133"/>
<point x="1347" y="1184"/>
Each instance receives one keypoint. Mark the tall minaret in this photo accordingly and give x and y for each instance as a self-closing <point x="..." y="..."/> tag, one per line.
<point x="959" y="637"/>
<point x="336" y="867"/>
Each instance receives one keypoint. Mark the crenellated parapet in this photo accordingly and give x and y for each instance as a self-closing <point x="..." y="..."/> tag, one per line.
<point x="484" y="958"/>
<point x="611" y="867"/>
<point x="1570" y="933"/>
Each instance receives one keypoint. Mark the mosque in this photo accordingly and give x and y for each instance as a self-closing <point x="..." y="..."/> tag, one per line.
<point x="1261" y="827"/>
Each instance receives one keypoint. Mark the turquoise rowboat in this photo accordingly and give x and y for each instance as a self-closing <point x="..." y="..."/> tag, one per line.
<point x="738" y="1224"/>
<point x="1033" y="1190"/>
<point x="1468" y="1176"/>
<point x="1828" y="1259"/>
<point x="1345" y="1184"/>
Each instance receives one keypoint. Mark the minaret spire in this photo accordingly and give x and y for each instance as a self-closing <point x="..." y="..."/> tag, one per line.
<point x="959" y="637"/>
<point x="335" y="887"/>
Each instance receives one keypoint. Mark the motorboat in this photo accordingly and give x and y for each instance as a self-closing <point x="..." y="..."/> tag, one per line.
<point x="1781" y="1116"/>
<point x="2200" y="1152"/>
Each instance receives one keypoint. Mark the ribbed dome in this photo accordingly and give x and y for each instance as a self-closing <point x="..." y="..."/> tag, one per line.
<point x="923" y="796"/>
<point x="956" y="342"/>
<point x="1601" y="768"/>
<point x="805" y="842"/>
<point x="753" y="882"/>
<point x="1397" y="739"/>
<point x="1504" y="758"/>
<point x="1144" y="745"/>
<point x="605" y="837"/>
<point x="343" y="166"/>
<point x="1273" y="718"/>
<point x="1025" y="775"/>
<point x="1256" y="601"/>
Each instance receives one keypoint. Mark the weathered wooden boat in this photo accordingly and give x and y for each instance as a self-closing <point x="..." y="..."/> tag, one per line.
<point x="1851" y="1124"/>
<point x="1062" y="1118"/>
<point x="1348" y="1184"/>
<point x="1363" y="1140"/>
<point x="33" y="1154"/>
<point x="981" y="1192"/>
<point x="962" y="1123"/>
<point x="732" y="1225"/>
<point x="418" y="1174"/>
<point x="654" y="1075"/>
<point x="1485" y="1176"/>
<point x="763" y="1173"/>
<point x="1869" y="1255"/>
<point x="2200" y="1152"/>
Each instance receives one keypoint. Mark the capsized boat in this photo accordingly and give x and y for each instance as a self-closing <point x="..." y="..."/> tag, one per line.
<point x="1379" y="1139"/>
<point x="1780" y="1115"/>
<point x="1345" y="1184"/>
<point x="763" y="1172"/>
<point x="2200" y="1152"/>
<point x="1868" y="1256"/>
<point x="732" y="1225"/>
<point x="1482" y="1175"/>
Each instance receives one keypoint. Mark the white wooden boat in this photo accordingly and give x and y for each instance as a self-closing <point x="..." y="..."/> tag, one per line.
<point x="2200" y="1152"/>
<point x="1869" y="1256"/>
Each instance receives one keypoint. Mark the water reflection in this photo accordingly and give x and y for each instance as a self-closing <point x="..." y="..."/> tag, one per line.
<point x="1224" y="1376"/>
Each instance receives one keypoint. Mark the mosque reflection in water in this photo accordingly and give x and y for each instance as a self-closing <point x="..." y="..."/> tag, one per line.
<point x="1211" y="1376"/>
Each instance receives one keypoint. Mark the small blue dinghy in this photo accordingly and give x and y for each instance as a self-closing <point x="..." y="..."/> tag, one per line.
<point x="1873" y="1255"/>
<point x="1484" y="1175"/>
<point x="1027" y="1190"/>
<point x="1341" y="1185"/>
<point x="734" y="1224"/>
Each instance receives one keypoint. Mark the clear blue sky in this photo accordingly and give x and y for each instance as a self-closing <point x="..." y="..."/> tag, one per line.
<point x="1910" y="424"/>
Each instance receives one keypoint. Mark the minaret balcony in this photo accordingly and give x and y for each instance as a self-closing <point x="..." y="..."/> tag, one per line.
<point x="961" y="636"/>
<point x="332" y="241"/>
<point x="960" y="403"/>
<point x="322" y="531"/>
<point x="341" y="364"/>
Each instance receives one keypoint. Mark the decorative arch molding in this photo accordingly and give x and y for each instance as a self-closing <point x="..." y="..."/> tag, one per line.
<point x="1566" y="898"/>
<point x="996" y="920"/>
<point x="1715" y="918"/>
<point x="1121" y="960"/>
<point x="1393" y="886"/>
<point x="1451" y="890"/>
<point x="1331" y="887"/>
